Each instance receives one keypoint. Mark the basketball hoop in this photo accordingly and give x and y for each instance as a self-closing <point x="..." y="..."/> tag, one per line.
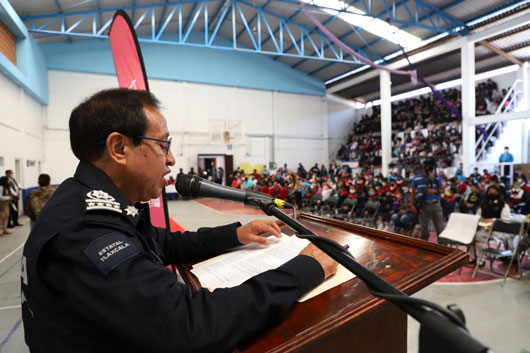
<point x="227" y="132"/>
<point x="228" y="136"/>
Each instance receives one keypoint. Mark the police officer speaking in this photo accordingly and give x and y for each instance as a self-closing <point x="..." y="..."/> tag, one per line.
<point x="94" y="276"/>
<point x="425" y="198"/>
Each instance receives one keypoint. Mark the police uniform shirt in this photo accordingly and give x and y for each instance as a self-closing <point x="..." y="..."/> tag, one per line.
<point x="421" y="183"/>
<point x="94" y="279"/>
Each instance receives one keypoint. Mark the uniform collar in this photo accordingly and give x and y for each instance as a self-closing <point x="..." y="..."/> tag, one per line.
<point x="103" y="195"/>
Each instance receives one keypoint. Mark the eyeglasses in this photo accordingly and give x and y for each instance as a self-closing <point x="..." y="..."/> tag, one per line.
<point x="167" y="142"/>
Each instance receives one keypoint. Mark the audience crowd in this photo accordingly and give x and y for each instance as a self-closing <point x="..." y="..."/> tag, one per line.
<point x="371" y="199"/>
<point x="421" y="127"/>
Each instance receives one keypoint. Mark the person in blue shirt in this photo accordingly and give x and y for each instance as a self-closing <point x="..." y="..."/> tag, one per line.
<point x="425" y="198"/>
<point x="506" y="157"/>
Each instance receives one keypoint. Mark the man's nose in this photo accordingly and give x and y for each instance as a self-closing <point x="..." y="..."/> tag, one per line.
<point x="170" y="159"/>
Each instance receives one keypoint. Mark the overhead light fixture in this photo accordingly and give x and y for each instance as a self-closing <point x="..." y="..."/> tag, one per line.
<point x="359" y="18"/>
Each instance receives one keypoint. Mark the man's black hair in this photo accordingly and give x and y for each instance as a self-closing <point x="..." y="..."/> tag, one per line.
<point x="112" y="110"/>
<point x="44" y="180"/>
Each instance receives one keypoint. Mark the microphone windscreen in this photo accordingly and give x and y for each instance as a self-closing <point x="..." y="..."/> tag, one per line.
<point x="187" y="185"/>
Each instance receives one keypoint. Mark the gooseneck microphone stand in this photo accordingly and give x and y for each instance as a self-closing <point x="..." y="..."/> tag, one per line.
<point x="442" y="330"/>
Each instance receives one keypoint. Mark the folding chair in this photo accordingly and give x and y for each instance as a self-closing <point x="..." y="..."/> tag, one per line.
<point x="460" y="230"/>
<point x="495" y="252"/>
<point x="521" y="248"/>
<point x="369" y="213"/>
<point x="314" y="204"/>
<point x="329" y="206"/>
<point x="349" y="215"/>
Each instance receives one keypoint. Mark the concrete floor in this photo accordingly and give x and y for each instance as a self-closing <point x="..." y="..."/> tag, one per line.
<point x="499" y="317"/>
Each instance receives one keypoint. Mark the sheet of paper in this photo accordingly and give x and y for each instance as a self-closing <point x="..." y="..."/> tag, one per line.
<point x="232" y="269"/>
<point x="340" y="277"/>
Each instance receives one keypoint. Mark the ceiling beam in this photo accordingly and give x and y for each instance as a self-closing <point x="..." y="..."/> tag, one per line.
<point x="498" y="29"/>
<point x="323" y="67"/>
<point x="161" y="21"/>
<point x="438" y="50"/>
<point x="251" y="21"/>
<point x="59" y="8"/>
<point x="500" y="52"/>
<point x="416" y="58"/>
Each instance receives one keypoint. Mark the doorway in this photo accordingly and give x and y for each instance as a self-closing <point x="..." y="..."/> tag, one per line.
<point x="211" y="164"/>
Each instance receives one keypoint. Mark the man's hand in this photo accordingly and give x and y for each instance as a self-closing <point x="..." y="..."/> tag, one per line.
<point x="328" y="264"/>
<point x="252" y="232"/>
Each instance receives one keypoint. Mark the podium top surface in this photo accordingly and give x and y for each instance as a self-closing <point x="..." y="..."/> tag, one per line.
<point x="407" y="263"/>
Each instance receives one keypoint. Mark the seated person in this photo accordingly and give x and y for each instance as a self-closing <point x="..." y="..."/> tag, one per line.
<point x="248" y="184"/>
<point x="274" y="188"/>
<point x="472" y="201"/>
<point x="352" y="194"/>
<point x="448" y="203"/>
<point x="493" y="207"/>
<point x="397" y="201"/>
<point x="404" y="218"/>
<point x="517" y="197"/>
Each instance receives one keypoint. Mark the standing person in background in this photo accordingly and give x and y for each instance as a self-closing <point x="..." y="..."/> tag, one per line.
<point x="37" y="198"/>
<point x="220" y="175"/>
<point x="506" y="157"/>
<point x="476" y="175"/>
<point x="425" y="198"/>
<point x="14" y="191"/>
<point x="5" y="200"/>
<point x="181" y="172"/>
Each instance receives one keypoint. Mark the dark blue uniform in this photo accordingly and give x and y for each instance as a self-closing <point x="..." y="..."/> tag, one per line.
<point x="94" y="279"/>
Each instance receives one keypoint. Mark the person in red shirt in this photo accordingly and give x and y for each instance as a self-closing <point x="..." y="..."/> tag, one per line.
<point x="380" y="190"/>
<point x="274" y="188"/>
<point x="462" y="187"/>
<point x="359" y="182"/>
<point x="237" y="182"/>
<point x="392" y="188"/>
<point x="284" y="191"/>
<point x="264" y="188"/>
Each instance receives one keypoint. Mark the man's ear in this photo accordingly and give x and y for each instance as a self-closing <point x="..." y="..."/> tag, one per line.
<point x="117" y="147"/>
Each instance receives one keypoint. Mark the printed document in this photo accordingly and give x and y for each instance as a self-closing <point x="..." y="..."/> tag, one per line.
<point x="233" y="268"/>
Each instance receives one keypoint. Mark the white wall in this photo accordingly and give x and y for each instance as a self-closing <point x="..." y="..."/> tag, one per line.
<point x="280" y="127"/>
<point x="342" y="116"/>
<point x="21" y="131"/>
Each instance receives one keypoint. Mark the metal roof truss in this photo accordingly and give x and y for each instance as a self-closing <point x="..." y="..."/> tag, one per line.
<point x="307" y="42"/>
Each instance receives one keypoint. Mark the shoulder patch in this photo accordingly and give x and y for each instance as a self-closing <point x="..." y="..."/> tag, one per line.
<point x="97" y="200"/>
<point x="110" y="250"/>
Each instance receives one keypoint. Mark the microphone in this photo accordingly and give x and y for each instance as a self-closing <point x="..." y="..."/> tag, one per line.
<point x="192" y="185"/>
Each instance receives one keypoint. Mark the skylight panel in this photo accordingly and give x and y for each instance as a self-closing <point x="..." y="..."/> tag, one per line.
<point x="370" y="24"/>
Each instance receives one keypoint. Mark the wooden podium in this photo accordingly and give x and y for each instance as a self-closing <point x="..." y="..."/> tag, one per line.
<point x="348" y="318"/>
